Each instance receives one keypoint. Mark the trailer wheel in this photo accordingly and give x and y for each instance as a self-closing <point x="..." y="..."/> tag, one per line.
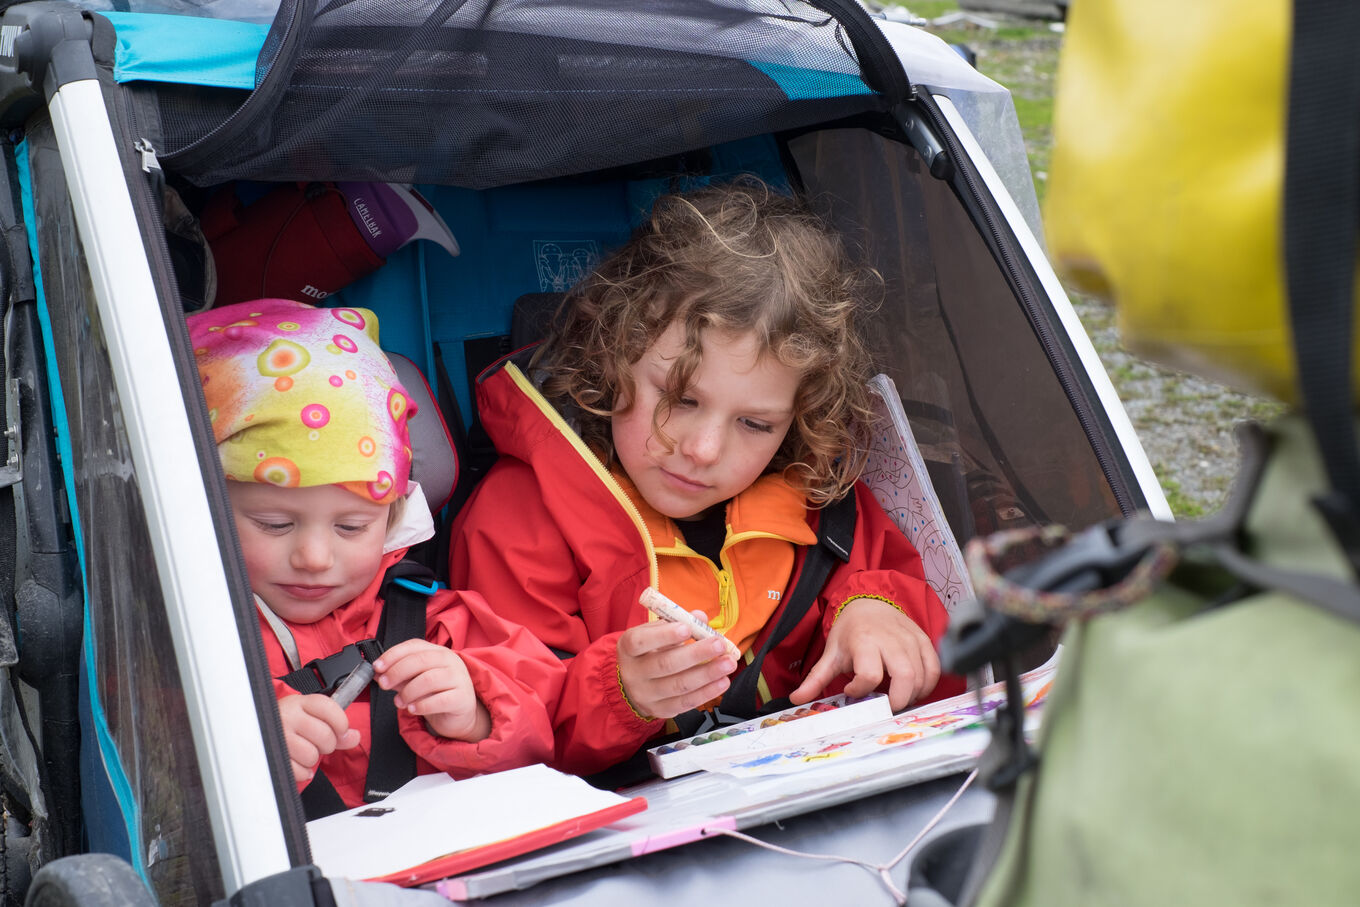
<point x="89" y="880"/>
<point x="16" y="846"/>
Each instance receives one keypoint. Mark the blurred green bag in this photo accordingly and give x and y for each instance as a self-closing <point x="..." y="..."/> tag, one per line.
<point x="1200" y="747"/>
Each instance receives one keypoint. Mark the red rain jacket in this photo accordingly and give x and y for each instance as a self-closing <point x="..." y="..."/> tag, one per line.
<point x="552" y="541"/>
<point x="516" y="678"/>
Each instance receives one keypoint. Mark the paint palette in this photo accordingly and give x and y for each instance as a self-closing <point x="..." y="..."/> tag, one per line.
<point x="794" y="725"/>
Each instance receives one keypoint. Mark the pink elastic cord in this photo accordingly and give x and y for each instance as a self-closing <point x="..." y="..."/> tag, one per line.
<point x="882" y="870"/>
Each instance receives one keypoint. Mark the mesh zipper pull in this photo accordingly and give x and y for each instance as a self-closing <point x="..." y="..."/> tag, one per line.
<point x="148" y="152"/>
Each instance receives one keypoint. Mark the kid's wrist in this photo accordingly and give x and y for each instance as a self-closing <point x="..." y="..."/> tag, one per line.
<point x="473" y="730"/>
<point x="877" y="598"/>
<point x="481" y="723"/>
<point x="623" y="695"/>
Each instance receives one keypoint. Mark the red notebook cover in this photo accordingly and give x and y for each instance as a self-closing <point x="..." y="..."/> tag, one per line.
<point x="473" y="858"/>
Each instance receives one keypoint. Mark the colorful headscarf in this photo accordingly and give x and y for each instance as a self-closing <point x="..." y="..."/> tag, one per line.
<point x="302" y="396"/>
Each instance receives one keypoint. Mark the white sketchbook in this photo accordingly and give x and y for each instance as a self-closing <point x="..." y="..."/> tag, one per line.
<point x="896" y="473"/>
<point x="434" y="827"/>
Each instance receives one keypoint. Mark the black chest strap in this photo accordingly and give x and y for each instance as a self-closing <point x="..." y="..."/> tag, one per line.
<point x="405" y="590"/>
<point x="835" y="538"/>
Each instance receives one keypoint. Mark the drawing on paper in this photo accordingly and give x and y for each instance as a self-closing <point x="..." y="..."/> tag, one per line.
<point x="896" y="474"/>
<point x="900" y="733"/>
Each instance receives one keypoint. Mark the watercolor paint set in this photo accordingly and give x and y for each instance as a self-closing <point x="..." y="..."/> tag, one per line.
<point x="832" y="715"/>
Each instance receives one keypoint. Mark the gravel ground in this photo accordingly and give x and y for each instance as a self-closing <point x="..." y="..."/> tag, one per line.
<point x="1185" y="423"/>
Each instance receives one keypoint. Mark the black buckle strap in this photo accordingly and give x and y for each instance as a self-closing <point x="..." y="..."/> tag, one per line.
<point x="695" y="721"/>
<point x="405" y="591"/>
<point x="1321" y="200"/>
<point x="323" y="675"/>
<point x="835" y="538"/>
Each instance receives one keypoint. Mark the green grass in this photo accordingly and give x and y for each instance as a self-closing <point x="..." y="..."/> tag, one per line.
<point x="1182" y="505"/>
<point x="1022" y="57"/>
<point x="930" y="9"/>
<point x="1129" y="373"/>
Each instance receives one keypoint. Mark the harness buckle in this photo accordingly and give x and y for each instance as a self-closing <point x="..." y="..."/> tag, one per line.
<point x="333" y="669"/>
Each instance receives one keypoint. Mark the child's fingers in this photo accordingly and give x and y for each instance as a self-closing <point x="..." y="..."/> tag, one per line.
<point x="409" y="659"/>
<point x="906" y="671"/>
<point x="704" y="655"/>
<point x="867" y="668"/>
<point x="692" y="699"/>
<point x="313" y="726"/>
<point x="930" y="668"/>
<point x="822" y="673"/>
<point x="317" y="707"/>
<point x="463" y="718"/>
<point x="667" y="697"/>
<point x="302" y="773"/>
<point x="455" y="714"/>
<point x="686" y="683"/>
<point x="304" y="755"/>
<point x="405" y="658"/>
<point x="913" y="666"/>
<point x="907" y="659"/>
<point x="638" y="641"/>
<point x="666" y="682"/>
<point x="433" y="682"/>
<point x="415" y="694"/>
<point x="315" y="717"/>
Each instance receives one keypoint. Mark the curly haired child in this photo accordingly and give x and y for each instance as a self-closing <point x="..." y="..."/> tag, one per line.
<point x="699" y="402"/>
<point x="311" y="428"/>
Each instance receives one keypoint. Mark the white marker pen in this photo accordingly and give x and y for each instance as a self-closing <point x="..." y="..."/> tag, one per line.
<point x="666" y="609"/>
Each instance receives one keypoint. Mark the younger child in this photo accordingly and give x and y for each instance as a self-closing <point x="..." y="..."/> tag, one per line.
<point x="702" y="397"/>
<point x="310" y="423"/>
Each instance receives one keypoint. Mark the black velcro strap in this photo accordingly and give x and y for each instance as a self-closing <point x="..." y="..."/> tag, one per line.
<point x="1321" y="208"/>
<point x="391" y="762"/>
<point x="701" y="721"/>
<point x="835" y="538"/>
<point x="323" y="675"/>
<point x="320" y="798"/>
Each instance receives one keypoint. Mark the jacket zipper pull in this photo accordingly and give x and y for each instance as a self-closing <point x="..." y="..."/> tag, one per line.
<point x="148" y="152"/>
<point x="724" y="593"/>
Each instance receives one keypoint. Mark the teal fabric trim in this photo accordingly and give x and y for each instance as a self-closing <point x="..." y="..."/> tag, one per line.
<point x="113" y="764"/>
<point x="186" y="50"/>
<point x="810" y="84"/>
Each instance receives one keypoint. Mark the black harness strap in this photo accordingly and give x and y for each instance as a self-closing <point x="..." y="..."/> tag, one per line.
<point x="1321" y="203"/>
<point x="835" y="538"/>
<point x="320" y="798"/>
<point x="323" y="675"/>
<point x="405" y="589"/>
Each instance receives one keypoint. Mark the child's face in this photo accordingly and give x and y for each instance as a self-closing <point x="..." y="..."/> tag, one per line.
<point x="308" y="550"/>
<point x="733" y="418"/>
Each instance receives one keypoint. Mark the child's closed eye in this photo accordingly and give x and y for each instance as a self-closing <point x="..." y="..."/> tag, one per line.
<point x="756" y="425"/>
<point x="273" y="527"/>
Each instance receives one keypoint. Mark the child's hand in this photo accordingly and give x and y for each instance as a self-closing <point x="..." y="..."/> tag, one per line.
<point x="664" y="673"/>
<point x="871" y="638"/>
<point x="313" y="726"/>
<point x="432" y="681"/>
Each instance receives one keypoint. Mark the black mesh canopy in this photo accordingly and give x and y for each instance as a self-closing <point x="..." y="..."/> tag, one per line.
<point x="480" y="93"/>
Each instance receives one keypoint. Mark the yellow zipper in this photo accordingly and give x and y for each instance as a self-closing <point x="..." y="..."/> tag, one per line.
<point x="604" y="475"/>
<point x="727" y="591"/>
<point x="728" y="601"/>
